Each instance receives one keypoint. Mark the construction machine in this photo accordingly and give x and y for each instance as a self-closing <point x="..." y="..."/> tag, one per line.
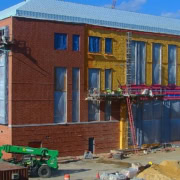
<point x="39" y="161"/>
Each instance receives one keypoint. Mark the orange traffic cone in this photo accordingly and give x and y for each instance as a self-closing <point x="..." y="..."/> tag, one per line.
<point x="66" y="177"/>
<point x="97" y="176"/>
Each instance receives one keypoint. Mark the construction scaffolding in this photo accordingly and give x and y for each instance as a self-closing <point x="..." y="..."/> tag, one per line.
<point x="5" y="40"/>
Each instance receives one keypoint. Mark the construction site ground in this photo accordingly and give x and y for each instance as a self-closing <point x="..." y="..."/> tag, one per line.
<point x="81" y="169"/>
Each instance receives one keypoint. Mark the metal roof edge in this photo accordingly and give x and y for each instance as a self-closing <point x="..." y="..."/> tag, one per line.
<point x="11" y="11"/>
<point x="71" y="19"/>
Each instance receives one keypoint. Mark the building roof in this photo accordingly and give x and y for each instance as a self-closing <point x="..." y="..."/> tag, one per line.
<point x="59" y="10"/>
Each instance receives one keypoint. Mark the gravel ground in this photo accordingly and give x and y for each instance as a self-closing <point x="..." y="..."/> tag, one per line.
<point x="87" y="169"/>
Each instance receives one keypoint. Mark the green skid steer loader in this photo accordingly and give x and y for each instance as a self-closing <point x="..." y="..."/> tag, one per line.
<point x="39" y="161"/>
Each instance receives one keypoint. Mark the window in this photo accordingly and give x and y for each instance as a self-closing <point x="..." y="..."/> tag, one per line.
<point x="108" y="85"/>
<point x="94" y="44"/>
<point x="1" y="32"/>
<point x="3" y="88"/>
<point x="172" y="64"/>
<point x="107" y="112"/>
<point x="76" y="39"/>
<point x="108" y="79"/>
<point x="60" y="41"/>
<point x="60" y="95"/>
<point x="138" y="53"/>
<point x="4" y="31"/>
<point x="93" y="110"/>
<point x="108" y="46"/>
<point x="75" y="95"/>
<point x="93" y="78"/>
<point x="94" y="85"/>
<point x="3" y="79"/>
<point x="156" y="74"/>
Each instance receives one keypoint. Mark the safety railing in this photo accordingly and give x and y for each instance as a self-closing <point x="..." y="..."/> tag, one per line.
<point x="95" y="93"/>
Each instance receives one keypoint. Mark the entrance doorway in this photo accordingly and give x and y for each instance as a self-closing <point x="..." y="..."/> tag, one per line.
<point x="91" y="145"/>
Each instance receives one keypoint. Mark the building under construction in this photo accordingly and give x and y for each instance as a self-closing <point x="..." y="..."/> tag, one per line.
<point x="76" y="77"/>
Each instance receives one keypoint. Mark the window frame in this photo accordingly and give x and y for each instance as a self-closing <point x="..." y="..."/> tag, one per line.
<point x="97" y="104"/>
<point x="99" y="46"/>
<point x="160" y="63"/>
<point x="136" y="63"/>
<point x="99" y="82"/>
<point x="175" y="64"/>
<point x="111" y="47"/>
<point x="109" y="104"/>
<point x="64" y="90"/>
<point x="55" y="45"/>
<point x="79" y="90"/>
<point x="73" y="42"/>
<point x="105" y="78"/>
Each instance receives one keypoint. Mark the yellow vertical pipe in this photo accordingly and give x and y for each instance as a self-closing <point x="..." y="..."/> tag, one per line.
<point x="123" y="126"/>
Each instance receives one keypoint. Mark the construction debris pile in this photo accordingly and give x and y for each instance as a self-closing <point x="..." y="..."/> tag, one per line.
<point x="167" y="170"/>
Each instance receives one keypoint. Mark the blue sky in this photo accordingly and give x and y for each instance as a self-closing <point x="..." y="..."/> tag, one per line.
<point x="156" y="7"/>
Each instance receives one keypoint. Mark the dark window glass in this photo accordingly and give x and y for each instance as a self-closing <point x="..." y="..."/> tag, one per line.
<point x="60" y="41"/>
<point x="76" y="39"/>
<point x="108" y="45"/>
<point x="171" y="64"/>
<point x="75" y="94"/>
<point x="94" y="44"/>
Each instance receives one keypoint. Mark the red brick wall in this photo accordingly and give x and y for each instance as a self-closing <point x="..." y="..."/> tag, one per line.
<point x="70" y="140"/>
<point x="33" y="63"/>
<point x="34" y="60"/>
<point x="5" y="135"/>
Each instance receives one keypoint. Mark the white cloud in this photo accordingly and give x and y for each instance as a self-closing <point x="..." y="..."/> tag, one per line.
<point x="171" y="14"/>
<point x="131" y="5"/>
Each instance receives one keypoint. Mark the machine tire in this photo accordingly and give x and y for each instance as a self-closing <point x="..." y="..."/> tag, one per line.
<point x="44" y="171"/>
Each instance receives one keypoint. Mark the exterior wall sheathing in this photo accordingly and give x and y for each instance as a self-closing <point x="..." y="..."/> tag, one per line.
<point x="117" y="62"/>
<point x="5" y="131"/>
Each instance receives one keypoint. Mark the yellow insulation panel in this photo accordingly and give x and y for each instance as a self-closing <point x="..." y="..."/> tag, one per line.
<point x="117" y="62"/>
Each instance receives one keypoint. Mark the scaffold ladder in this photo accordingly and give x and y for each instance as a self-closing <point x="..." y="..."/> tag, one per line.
<point x="128" y="90"/>
<point x="129" y="62"/>
<point x="131" y="123"/>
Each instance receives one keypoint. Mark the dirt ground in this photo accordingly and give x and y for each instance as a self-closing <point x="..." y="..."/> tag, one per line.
<point x="80" y="169"/>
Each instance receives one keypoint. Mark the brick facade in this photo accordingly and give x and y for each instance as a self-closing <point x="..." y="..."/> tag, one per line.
<point x="31" y="100"/>
<point x="70" y="139"/>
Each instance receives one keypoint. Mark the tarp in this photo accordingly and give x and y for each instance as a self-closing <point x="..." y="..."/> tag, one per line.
<point x="157" y="121"/>
<point x="3" y="89"/>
